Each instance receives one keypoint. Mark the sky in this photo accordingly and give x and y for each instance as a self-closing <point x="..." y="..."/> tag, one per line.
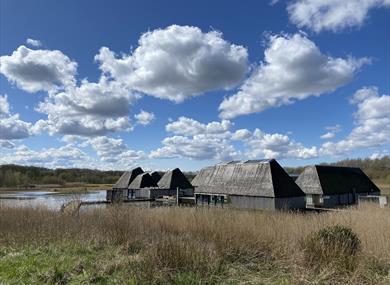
<point x="165" y="84"/>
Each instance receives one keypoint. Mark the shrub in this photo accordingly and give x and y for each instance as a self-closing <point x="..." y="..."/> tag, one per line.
<point x="333" y="245"/>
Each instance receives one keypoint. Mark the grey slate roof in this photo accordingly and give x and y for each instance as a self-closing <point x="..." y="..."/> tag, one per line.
<point x="329" y="180"/>
<point x="263" y="178"/>
<point x="126" y="178"/>
<point x="174" y="179"/>
<point x="143" y="180"/>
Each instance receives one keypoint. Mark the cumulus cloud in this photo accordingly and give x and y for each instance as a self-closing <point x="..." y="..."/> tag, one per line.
<point x="293" y="69"/>
<point x="65" y="156"/>
<point x="11" y="126"/>
<point x="189" y="127"/>
<point x="36" y="70"/>
<point x="91" y="109"/>
<point x="4" y="105"/>
<point x="331" y="132"/>
<point x="144" y="118"/>
<point x="34" y="43"/>
<point x="178" y="62"/>
<point x="110" y="154"/>
<point x="372" y="123"/>
<point x="277" y="146"/>
<point x="215" y="140"/>
<point x="198" y="147"/>
<point x="198" y="141"/>
<point x="115" y="151"/>
<point x="332" y="15"/>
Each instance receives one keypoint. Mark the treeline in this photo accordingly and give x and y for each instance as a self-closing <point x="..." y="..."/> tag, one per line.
<point x="377" y="169"/>
<point x="16" y="175"/>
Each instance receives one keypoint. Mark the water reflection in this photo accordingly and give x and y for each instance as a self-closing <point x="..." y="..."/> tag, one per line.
<point x="50" y="200"/>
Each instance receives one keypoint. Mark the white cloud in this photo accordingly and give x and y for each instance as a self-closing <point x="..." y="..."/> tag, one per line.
<point x="328" y="135"/>
<point x="293" y="69"/>
<point x="11" y="127"/>
<point x="4" y="105"/>
<point x="6" y="144"/>
<point x="115" y="151"/>
<point x="197" y="147"/>
<point x="91" y="109"/>
<point x="372" y="123"/>
<point x="65" y="156"/>
<point x="277" y="146"/>
<point x="332" y="130"/>
<point x="214" y="140"/>
<point x="34" y="43"/>
<point x="178" y="62"/>
<point x="144" y="118"/>
<point x="36" y="70"/>
<point x="378" y="155"/>
<point x="333" y="15"/>
<point x="198" y="141"/>
<point x="189" y="127"/>
<point x="241" y="135"/>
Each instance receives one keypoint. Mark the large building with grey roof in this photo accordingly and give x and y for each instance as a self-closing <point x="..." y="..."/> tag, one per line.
<point x="330" y="186"/>
<point x="253" y="184"/>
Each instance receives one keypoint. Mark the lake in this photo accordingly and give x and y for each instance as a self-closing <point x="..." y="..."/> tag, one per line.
<point x="51" y="200"/>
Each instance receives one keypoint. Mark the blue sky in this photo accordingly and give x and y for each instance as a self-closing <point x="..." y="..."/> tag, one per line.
<point x="165" y="84"/>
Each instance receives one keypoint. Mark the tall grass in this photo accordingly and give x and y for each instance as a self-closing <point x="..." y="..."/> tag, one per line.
<point x="195" y="245"/>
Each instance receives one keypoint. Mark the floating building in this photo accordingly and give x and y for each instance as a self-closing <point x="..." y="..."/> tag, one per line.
<point x="139" y="188"/>
<point x="136" y="184"/>
<point x="156" y="176"/>
<point x="120" y="188"/>
<point x="253" y="184"/>
<point x="330" y="186"/>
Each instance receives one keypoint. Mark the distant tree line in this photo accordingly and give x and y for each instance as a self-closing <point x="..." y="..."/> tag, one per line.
<point x="16" y="175"/>
<point x="377" y="169"/>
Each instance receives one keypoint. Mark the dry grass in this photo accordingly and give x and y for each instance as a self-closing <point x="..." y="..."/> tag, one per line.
<point x="195" y="245"/>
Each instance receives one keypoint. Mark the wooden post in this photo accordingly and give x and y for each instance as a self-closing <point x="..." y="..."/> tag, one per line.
<point x="177" y="196"/>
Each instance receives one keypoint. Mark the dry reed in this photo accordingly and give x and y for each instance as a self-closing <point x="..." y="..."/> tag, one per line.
<point x="244" y="246"/>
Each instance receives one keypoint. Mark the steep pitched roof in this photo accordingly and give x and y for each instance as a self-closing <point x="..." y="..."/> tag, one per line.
<point x="174" y="179"/>
<point x="329" y="180"/>
<point x="265" y="178"/>
<point x="156" y="176"/>
<point x="143" y="180"/>
<point x="126" y="178"/>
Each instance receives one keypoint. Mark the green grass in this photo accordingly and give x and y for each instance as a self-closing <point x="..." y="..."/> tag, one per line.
<point x="66" y="263"/>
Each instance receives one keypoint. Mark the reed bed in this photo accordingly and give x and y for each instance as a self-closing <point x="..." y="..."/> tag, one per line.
<point x="173" y="245"/>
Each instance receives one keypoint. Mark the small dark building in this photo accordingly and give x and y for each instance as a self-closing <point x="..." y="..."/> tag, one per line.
<point x="141" y="185"/>
<point x="120" y="188"/>
<point x="253" y="184"/>
<point x="156" y="176"/>
<point x="330" y="186"/>
<point x="175" y="180"/>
